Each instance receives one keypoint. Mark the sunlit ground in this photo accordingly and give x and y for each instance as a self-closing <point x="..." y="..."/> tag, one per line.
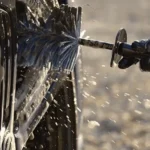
<point x="116" y="102"/>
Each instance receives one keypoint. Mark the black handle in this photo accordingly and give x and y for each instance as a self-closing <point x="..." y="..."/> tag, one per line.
<point x="126" y="50"/>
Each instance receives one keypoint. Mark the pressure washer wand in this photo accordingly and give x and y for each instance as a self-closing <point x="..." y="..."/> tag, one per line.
<point x="95" y="44"/>
<point x="120" y="49"/>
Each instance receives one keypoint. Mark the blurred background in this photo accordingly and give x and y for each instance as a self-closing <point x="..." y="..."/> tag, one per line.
<point x="116" y="102"/>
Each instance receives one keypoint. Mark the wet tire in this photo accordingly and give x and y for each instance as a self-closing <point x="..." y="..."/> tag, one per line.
<point x="57" y="130"/>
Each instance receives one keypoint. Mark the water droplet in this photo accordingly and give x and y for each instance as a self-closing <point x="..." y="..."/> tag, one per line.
<point x="78" y="109"/>
<point x="123" y="133"/>
<point x="94" y="83"/>
<point x="138" y="112"/>
<point x="84" y="78"/>
<point x="107" y="88"/>
<point x="147" y="103"/>
<point x="126" y="94"/>
<point x="93" y="112"/>
<point x="92" y="124"/>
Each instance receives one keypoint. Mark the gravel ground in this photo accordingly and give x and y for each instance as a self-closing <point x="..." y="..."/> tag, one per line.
<point x="116" y="102"/>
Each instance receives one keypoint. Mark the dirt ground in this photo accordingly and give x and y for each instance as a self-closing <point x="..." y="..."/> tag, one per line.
<point x="116" y="102"/>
